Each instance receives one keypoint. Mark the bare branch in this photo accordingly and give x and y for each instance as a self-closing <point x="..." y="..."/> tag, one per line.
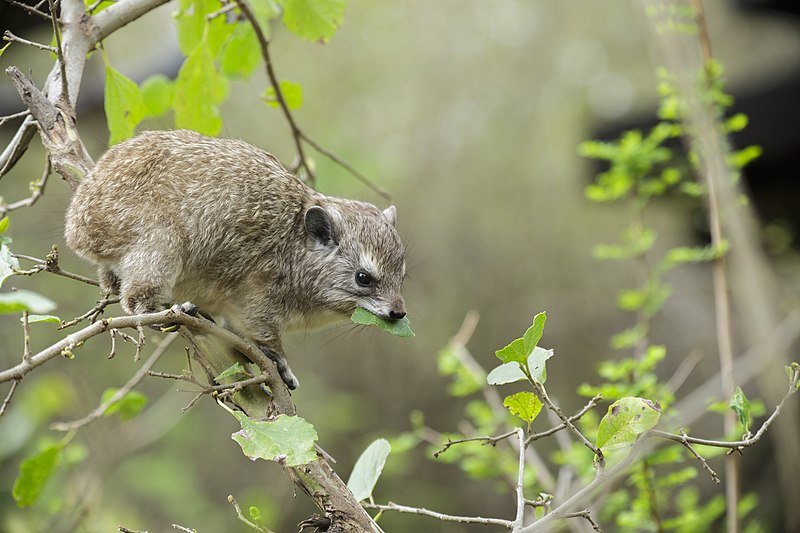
<point x="10" y="394"/>
<point x="486" y="440"/>
<point x="700" y="458"/>
<point x="520" y="481"/>
<point x="14" y="116"/>
<point x="8" y="36"/>
<point x="37" y="189"/>
<point x="585" y="515"/>
<point x="123" y="529"/>
<point x="59" y="55"/>
<point x="440" y="516"/>
<point x="183" y="528"/>
<point x="586" y="408"/>
<point x="30" y="9"/>
<point x="50" y="264"/>
<point x="122" y="391"/>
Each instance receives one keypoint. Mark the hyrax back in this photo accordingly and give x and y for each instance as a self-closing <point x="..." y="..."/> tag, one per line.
<point x="173" y="216"/>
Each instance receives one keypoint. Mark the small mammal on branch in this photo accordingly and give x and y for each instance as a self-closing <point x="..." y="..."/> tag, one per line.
<point x="177" y="216"/>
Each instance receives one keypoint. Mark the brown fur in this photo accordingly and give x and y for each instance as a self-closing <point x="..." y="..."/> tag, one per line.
<point x="173" y="215"/>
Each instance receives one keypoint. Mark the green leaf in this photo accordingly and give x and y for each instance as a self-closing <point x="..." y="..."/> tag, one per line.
<point x="313" y="20"/>
<point x="158" y="93"/>
<point x="536" y="364"/>
<point x="193" y="27"/>
<point x="534" y="333"/>
<point x="467" y="379"/>
<point x="22" y="300"/>
<point x="292" y="95"/>
<point x="525" y="405"/>
<point x="34" y="472"/>
<point x="401" y="328"/>
<point x="8" y="263"/>
<point x="285" y="439"/>
<point x="128" y="407"/>
<point x="514" y="352"/>
<point x="3" y="49"/>
<point x="625" y="420"/>
<point x="199" y="89"/>
<point x="368" y="469"/>
<point x="737" y="122"/>
<point x="235" y="369"/>
<point x="123" y="105"/>
<point x="740" y="405"/>
<point x="42" y="318"/>
<point x="241" y="54"/>
<point x="4" y="222"/>
<point x="742" y="158"/>
<point x="506" y="373"/>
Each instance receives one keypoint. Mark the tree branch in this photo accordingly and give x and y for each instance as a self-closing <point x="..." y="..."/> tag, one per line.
<point x="440" y="516"/>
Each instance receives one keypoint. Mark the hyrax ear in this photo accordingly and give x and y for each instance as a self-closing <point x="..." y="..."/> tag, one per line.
<point x="391" y="215"/>
<point x="319" y="226"/>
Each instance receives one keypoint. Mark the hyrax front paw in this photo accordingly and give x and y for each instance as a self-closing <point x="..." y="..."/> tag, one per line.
<point x="186" y="307"/>
<point x="285" y="372"/>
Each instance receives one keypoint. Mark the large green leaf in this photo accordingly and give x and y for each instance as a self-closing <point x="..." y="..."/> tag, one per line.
<point x="368" y="469"/>
<point x="514" y="352"/>
<point x="241" y="54"/>
<point x="536" y="363"/>
<point x="314" y="20"/>
<point x="625" y="420"/>
<point x="286" y="439"/>
<point x="235" y="370"/>
<point x="34" y="472"/>
<point x="123" y="104"/>
<point x="22" y="300"/>
<point x="292" y="95"/>
<point x="158" y="93"/>
<point x="199" y="89"/>
<point x="194" y="28"/>
<point x="401" y="328"/>
<point x="506" y="373"/>
<point x="534" y="333"/>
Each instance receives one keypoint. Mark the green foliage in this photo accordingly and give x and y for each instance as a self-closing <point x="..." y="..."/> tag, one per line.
<point x="34" y="472"/>
<point x="124" y="105"/>
<point x="314" y="20"/>
<point x="32" y="319"/>
<point x="235" y="370"/>
<point x="292" y="95"/>
<point x="241" y="54"/>
<point x="401" y="328"/>
<point x="23" y="300"/>
<point x="368" y="469"/>
<point x="625" y="420"/>
<point x="127" y="407"/>
<point x="525" y="405"/>
<point x="3" y="49"/>
<point x="286" y="439"/>
<point x="740" y="405"/>
<point x="466" y="379"/>
<point x="199" y="90"/>
<point x="8" y="263"/>
<point x="158" y="92"/>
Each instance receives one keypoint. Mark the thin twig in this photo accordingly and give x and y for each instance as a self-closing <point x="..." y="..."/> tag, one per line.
<point x="700" y="458"/>
<point x="123" y="529"/>
<point x="14" y="116"/>
<point x="8" y="36"/>
<point x="37" y="190"/>
<point x="263" y="43"/>
<point x="347" y="166"/>
<point x="520" y="481"/>
<point x="183" y="528"/>
<point x="486" y="440"/>
<point x="62" y="65"/>
<point x="30" y="9"/>
<point x="540" y="392"/>
<point x="439" y="516"/>
<point x="26" y="337"/>
<point x="50" y="264"/>
<point x="121" y="392"/>
<point x="241" y="516"/>
<point x="10" y="394"/>
<point x="221" y="11"/>
<point x="586" y="408"/>
<point x="92" y="314"/>
<point x="585" y="515"/>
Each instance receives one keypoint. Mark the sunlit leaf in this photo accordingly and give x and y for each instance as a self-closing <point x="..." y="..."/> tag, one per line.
<point x="534" y="333"/>
<point x="285" y="439"/>
<point x="8" y="263"/>
<point x="241" y="54"/>
<point x="401" y="328"/>
<point x="525" y="405"/>
<point x="536" y="364"/>
<point x="292" y="95"/>
<point x="199" y="89"/>
<point x="625" y="420"/>
<point x="368" y="469"/>
<point x="235" y="369"/>
<point x="506" y="373"/>
<point x="42" y="318"/>
<point x="123" y="105"/>
<point x="158" y="93"/>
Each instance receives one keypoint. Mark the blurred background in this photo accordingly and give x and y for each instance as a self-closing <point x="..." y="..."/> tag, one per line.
<point x="470" y="114"/>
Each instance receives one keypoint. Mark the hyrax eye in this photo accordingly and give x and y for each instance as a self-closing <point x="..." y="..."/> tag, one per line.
<point x="364" y="279"/>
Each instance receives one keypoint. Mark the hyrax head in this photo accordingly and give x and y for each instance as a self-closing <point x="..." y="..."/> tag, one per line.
<point x="360" y="257"/>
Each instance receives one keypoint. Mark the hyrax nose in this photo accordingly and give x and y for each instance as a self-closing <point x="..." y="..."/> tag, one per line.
<point x="398" y="310"/>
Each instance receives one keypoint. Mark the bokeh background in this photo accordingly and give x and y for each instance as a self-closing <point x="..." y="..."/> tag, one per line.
<point x="470" y="114"/>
